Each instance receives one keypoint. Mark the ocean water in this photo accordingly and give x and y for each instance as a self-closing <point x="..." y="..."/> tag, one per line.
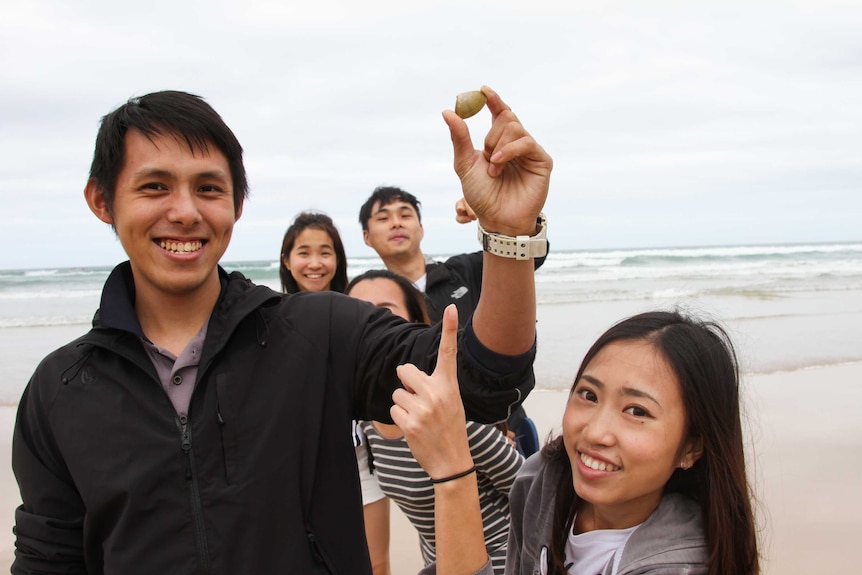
<point x="787" y="306"/>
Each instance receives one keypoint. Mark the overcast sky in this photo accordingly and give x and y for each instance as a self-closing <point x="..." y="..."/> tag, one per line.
<point x="670" y="123"/>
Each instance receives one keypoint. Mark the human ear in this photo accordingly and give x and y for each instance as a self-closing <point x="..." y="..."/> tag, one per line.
<point x="365" y="238"/>
<point x="692" y="451"/>
<point x="95" y="197"/>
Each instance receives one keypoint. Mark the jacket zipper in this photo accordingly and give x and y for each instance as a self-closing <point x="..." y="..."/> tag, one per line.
<point x="316" y="552"/>
<point x="194" y="491"/>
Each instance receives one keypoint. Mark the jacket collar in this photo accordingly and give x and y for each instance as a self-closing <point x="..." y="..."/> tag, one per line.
<point x="117" y="306"/>
<point x="238" y="298"/>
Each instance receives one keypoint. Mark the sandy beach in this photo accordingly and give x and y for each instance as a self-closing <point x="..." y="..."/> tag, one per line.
<point x="805" y="438"/>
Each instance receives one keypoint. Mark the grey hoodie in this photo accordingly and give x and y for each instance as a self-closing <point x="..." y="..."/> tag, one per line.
<point x="669" y="542"/>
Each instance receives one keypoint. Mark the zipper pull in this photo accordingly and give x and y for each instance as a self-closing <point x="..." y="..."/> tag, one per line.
<point x="186" y="434"/>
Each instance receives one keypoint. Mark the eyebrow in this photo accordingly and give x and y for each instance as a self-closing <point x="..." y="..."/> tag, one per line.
<point x="387" y="209"/>
<point x="629" y="391"/>
<point x="309" y="246"/>
<point x="147" y="172"/>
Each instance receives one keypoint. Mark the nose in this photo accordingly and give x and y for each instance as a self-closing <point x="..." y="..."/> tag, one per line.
<point x="184" y="207"/>
<point x="599" y="429"/>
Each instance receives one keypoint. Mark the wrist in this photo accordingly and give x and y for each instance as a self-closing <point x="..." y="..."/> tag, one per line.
<point x="529" y="228"/>
<point x="519" y="246"/>
<point x="454" y="476"/>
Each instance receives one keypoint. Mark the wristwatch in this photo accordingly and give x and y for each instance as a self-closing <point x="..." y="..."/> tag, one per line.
<point x="517" y="247"/>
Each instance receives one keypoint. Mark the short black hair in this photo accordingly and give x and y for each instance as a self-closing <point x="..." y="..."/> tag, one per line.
<point x="386" y="195"/>
<point x="185" y="116"/>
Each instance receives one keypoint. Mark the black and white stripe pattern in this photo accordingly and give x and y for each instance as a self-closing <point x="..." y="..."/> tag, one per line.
<point x="407" y="484"/>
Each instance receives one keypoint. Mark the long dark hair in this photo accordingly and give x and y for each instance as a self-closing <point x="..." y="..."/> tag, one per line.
<point x="318" y="221"/>
<point x="414" y="301"/>
<point x="702" y="357"/>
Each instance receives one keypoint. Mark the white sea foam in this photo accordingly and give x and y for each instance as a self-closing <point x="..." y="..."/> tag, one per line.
<point x="788" y="306"/>
<point x="566" y="276"/>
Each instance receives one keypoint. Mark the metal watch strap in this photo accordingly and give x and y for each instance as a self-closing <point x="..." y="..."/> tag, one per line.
<point x="517" y="247"/>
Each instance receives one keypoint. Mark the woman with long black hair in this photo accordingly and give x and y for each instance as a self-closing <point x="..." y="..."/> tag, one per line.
<point x="648" y="475"/>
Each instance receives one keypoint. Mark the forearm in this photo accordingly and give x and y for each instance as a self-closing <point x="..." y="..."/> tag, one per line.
<point x="377" y="535"/>
<point x="505" y="319"/>
<point x="458" y="525"/>
<point x="505" y="184"/>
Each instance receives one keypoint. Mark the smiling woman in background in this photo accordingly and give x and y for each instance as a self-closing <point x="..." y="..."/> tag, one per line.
<point x="312" y="255"/>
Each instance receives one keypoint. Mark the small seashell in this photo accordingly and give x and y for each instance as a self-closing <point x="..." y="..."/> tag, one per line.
<point x="469" y="103"/>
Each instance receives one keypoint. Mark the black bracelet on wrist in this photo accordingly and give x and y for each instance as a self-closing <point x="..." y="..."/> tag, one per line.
<point x="456" y="476"/>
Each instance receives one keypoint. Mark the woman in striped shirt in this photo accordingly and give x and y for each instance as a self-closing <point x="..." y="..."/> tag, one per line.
<point x="401" y="477"/>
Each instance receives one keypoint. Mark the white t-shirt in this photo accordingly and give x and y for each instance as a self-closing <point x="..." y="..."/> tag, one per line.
<point x="371" y="491"/>
<point x="590" y="553"/>
<point x="421" y="282"/>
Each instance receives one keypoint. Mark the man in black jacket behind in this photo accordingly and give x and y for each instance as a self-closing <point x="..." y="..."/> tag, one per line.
<point x="203" y="424"/>
<point x="391" y="221"/>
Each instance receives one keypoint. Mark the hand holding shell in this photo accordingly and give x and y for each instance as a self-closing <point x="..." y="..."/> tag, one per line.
<point x="506" y="180"/>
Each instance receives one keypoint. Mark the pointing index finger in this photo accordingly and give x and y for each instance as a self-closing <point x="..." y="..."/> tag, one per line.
<point x="447" y="355"/>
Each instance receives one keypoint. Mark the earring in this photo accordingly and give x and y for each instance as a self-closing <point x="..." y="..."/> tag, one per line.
<point x="684" y="465"/>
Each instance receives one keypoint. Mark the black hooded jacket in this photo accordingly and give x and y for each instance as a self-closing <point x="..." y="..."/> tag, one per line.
<point x="262" y="476"/>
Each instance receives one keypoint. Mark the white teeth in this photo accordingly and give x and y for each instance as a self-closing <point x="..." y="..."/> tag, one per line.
<point x="597" y="465"/>
<point x="181" y="247"/>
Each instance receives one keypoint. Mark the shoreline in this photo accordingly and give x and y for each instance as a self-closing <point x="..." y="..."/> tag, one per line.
<point x="798" y="425"/>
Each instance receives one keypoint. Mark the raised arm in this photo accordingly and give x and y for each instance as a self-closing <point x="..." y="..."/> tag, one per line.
<point x="506" y="185"/>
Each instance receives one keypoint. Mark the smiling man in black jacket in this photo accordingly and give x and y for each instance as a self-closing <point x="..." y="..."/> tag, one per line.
<point x="391" y="220"/>
<point x="202" y="425"/>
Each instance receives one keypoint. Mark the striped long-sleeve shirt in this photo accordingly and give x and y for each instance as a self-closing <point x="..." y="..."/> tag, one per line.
<point x="404" y="481"/>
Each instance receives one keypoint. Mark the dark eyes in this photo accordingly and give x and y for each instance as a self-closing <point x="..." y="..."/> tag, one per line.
<point x="636" y="411"/>
<point x="161" y="187"/>
<point x="589" y="395"/>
